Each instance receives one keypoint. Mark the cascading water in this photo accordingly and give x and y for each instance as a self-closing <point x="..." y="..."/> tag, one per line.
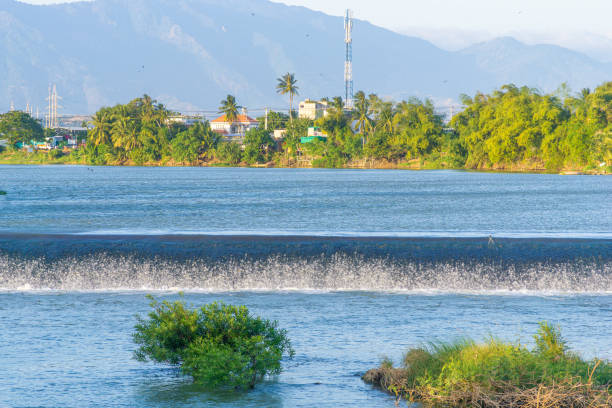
<point x="205" y="263"/>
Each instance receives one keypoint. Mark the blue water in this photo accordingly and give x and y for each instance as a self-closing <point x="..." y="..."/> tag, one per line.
<point x="334" y="202"/>
<point x="354" y="264"/>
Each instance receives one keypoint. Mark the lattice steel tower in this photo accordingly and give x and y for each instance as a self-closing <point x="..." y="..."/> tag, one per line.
<point x="348" y="64"/>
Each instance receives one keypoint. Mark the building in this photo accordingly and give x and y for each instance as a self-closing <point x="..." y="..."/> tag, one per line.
<point x="54" y="141"/>
<point x="312" y="110"/>
<point x="314" y="133"/>
<point x="185" y="120"/>
<point x="237" y="128"/>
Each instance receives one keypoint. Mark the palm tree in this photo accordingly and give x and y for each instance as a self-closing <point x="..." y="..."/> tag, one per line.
<point x="125" y="134"/>
<point x="385" y="117"/>
<point x="362" y="112"/>
<point x="229" y="108"/>
<point x="287" y="85"/>
<point x="100" y="134"/>
<point x="147" y="108"/>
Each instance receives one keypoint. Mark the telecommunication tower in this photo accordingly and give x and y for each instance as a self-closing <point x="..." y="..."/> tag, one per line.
<point x="348" y="64"/>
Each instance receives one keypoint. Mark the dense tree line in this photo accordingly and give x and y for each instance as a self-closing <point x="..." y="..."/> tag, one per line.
<point x="511" y="128"/>
<point x="514" y="125"/>
<point x="20" y="127"/>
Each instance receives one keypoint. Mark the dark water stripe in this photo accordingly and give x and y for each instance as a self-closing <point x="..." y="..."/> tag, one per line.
<point x="218" y="247"/>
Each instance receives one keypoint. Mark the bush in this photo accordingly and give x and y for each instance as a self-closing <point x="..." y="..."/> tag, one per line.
<point x="498" y="374"/>
<point x="258" y="146"/>
<point x="229" y="152"/>
<point x="218" y="344"/>
<point x="55" y="154"/>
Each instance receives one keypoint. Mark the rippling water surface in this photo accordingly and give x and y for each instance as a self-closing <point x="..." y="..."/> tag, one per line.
<point x="208" y="200"/>
<point x="355" y="264"/>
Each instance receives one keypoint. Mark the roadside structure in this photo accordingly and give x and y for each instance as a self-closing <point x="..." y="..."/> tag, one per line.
<point x="312" y="110"/>
<point x="235" y="129"/>
<point x="314" y="133"/>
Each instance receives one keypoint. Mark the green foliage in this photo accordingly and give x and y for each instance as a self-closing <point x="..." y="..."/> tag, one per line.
<point x="218" y="344"/>
<point x="229" y="153"/>
<point x="229" y="107"/>
<point x="198" y="140"/>
<point x="17" y="126"/>
<point x="258" y="146"/>
<point x="442" y="369"/>
<point x="287" y="84"/>
<point x="511" y="128"/>
<point x="276" y="120"/>
<point x="297" y="129"/>
<point x="55" y="154"/>
<point x="141" y="132"/>
<point x="549" y="341"/>
<point x="520" y="125"/>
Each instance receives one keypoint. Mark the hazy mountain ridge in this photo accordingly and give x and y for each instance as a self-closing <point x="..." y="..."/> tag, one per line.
<point x="191" y="53"/>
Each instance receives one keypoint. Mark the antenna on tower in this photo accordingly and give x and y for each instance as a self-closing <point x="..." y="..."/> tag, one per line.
<point x="348" y="64"/>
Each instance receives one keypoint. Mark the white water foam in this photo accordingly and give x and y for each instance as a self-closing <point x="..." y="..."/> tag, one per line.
<point x="277" y="273"/>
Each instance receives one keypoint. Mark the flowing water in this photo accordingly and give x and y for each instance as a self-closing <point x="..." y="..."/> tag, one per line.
<point x="354" y="264"/>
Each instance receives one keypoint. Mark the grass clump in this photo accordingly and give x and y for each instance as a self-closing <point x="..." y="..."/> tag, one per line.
<point x="499" y="374"/>
<point x="218" y="345"/>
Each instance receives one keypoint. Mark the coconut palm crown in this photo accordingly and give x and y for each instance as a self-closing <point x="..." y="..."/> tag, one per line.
<point x="287" y="85"/>
<point x="229" y="108"/>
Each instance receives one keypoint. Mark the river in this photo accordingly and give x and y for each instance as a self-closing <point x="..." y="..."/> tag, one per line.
<point x="355" y="264"/>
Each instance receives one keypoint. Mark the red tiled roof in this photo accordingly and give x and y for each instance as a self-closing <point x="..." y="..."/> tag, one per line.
<point x="221" y="131"/>
<point x="239" y="119"/>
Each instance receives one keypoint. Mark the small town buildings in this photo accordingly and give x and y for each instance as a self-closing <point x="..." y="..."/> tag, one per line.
<point x="314" y="133"/>
<point x="312" y="110"/>
<point x="185" y="120"/>
<point x="235" y="129"/>
<point x="55" y="140"/>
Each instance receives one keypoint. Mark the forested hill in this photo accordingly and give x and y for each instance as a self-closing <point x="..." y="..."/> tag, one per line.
<point x="190" y="54"/>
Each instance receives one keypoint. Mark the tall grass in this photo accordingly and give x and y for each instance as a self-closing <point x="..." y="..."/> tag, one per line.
<point x="499" y="374"/>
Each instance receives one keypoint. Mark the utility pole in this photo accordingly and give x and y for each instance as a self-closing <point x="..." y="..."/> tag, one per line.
<point x="266" y="125"/>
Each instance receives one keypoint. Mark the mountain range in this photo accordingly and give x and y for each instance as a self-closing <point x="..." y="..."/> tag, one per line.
<point x="190" y="54"/>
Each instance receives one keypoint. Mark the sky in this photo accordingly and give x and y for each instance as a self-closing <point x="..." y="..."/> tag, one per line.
<point x="583" y="25"/>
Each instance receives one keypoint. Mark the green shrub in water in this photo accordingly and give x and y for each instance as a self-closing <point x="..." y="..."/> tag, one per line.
<point x="499" y="374"/>
<point x="217" y="344"/>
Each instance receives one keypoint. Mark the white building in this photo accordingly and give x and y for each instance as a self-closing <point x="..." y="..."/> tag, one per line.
<point x="237" y="128"/>
<point x="184" y="120"/>
<point x="312" y="110"/>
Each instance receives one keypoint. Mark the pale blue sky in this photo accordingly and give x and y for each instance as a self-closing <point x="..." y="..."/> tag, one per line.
<point x="579" y="24"/>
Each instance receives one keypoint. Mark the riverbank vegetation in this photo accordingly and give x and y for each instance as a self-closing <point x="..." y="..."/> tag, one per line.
<point x="511" y="129"/>
<point x="218" y="345"/>
<point x="498" y="374"/>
